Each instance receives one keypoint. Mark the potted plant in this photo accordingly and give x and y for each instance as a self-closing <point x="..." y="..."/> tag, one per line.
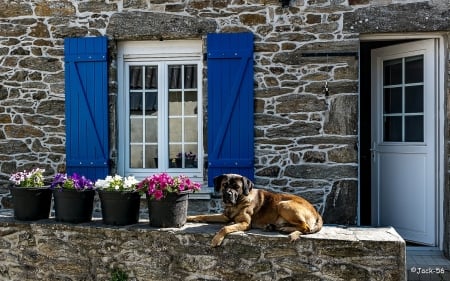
<point x="189" y="160"/>
<point x="31" y="199"/>
<point x="167" y="198"/>
<point x="73" y="198"/>
<point x="119" y="199"/>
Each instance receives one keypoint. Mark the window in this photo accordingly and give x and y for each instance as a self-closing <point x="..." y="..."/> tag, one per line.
<point x="160" y="108"/>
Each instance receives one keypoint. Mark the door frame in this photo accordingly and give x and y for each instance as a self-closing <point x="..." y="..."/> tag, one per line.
<point x="440" y="107"/>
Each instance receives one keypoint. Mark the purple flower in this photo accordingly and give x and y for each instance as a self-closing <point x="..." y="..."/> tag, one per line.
<point x="74" y="181"/>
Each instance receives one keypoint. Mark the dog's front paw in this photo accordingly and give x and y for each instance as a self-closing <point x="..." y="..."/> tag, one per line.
<point x="294" y="236"/>
<point x="217" y="240"/>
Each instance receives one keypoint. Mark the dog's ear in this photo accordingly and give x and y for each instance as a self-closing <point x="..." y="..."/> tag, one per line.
<point x="247" y="185"/>
<point x="217" y="183"/>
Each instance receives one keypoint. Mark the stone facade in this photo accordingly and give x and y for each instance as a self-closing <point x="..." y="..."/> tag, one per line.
<point x="306" y="138"/>
<point x="52" y="251"/>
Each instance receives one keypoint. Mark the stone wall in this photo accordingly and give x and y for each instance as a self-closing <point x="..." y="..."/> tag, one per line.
<point x="46" y="250"/>
<point x="305" y="138"/>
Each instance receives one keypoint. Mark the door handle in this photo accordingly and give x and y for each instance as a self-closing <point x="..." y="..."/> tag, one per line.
<point x="373" y="150"/>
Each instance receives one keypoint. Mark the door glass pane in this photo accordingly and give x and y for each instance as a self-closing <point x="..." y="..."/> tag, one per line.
<point x="414" y="69"/>
<point x="393" y="100"/>
<point x="414" y="129"/>
<point x="403" y="103"/>
<point x="414" y="99"/>
<point x="393" y="128"/>
<point x="393" y="72"/>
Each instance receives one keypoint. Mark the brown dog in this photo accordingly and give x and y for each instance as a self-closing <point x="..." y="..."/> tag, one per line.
<point x="247" y="207"/>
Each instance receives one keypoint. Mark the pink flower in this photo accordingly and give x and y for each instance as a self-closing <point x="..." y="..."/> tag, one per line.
<point x="158" y="194"/>
<point x="158" y="186"/>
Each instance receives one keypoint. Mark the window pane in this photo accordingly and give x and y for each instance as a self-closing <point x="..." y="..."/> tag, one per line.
<point x="175" y="130"/>
<point x="174" y="77"/>
<point x="186" y="159"/>
<point x="190" y="76"/>
<point x="190" y="129"/>
<point x="414" y="128"/>
<point x="414" y="69"/>
<point x="393" y="100"/>
<point x="151" y="77"/>
<point x="175" y="102"/>
<point x="175" y="155"/>
<point x="393" y="72"/>
<point x="190" y="103"/>
<point x="191" y="160"/>
<point x="136" y="104"/>
<point x="136" y="156"/>
<point x="151" y="103"/>
<point x="151" y="130"/>
<point x="151" y="156"/>
<point x="414" y="99"/>
<point x="136" y="132"/>
<point x="393" y="128"/>
<point x="135" y="77"/>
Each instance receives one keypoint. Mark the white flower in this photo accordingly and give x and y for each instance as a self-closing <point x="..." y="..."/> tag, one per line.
<point x="100" y="183"/>
<point x="130" y="182"/>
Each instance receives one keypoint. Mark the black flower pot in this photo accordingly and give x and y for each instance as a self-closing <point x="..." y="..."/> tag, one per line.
<point x="170" y="211"/>
<point x="73" y="206"/>
<point x="120" y="207"/>
<point x="31" y="203"/>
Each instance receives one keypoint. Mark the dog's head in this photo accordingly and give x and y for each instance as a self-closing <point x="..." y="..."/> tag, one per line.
<point x="232" y="186"/>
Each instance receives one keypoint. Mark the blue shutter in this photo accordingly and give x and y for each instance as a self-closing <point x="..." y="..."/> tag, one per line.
<point x="230" y="104"/>
<point x="86" y="89"/>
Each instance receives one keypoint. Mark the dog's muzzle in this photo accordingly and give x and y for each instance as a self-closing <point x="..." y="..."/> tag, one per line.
<point x="229" y="197"/>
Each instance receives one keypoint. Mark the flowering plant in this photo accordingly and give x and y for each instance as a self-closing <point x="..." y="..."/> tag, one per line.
<point x="33" y="178"/>
<point x="158" y="186"/>
<point x="117" y="183"/>
<point x="75" y="181"/>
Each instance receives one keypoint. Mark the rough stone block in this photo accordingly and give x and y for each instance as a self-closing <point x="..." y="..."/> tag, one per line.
<point x="48" y="250"/>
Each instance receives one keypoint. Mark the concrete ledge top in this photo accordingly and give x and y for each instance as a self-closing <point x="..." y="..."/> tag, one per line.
<point x="328" y="232"/>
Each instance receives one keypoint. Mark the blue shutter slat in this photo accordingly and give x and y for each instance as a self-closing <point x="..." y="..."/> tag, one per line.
<point x="230" y="104"/>
<point x="86" y="86"/>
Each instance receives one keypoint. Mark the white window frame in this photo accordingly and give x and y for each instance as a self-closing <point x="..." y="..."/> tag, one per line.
<point x="161" y="53"/>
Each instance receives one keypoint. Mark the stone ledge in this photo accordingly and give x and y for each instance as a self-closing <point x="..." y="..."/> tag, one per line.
<point x="48" y="250"/>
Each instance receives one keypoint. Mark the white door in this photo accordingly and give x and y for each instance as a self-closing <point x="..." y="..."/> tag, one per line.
<point x="404" y="140"/>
